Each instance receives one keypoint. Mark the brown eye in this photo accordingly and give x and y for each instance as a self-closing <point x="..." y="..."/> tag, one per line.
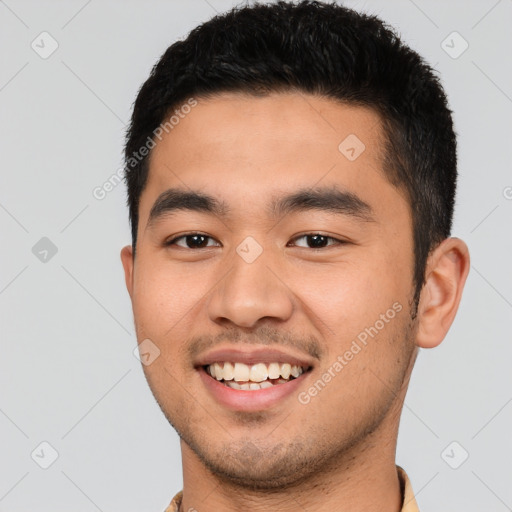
<point x="191" y="241"/>
<point x="318" y="241"/>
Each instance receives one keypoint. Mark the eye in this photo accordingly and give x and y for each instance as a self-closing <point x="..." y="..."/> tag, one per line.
<point x="318" y="241"/>
<point x="201" y="241"/>
<point x="191" y="241"/>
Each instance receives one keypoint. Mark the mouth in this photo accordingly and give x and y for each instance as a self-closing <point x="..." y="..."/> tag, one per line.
<point x="254" y="377"/>
<point x="262" y="378"/>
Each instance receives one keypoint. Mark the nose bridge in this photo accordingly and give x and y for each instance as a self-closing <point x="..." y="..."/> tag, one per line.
<point x="251" y="290"/>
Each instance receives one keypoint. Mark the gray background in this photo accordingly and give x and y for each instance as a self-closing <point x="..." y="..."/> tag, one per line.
<point x="68" y="376"/>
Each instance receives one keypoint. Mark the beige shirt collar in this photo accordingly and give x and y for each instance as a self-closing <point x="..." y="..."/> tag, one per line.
<point x="409" y="501"/>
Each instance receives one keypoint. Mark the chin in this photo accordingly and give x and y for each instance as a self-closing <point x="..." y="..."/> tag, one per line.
<point x="245" y="465"/>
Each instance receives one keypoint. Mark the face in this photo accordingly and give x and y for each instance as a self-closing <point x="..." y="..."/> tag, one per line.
<point x="290" y="282"/>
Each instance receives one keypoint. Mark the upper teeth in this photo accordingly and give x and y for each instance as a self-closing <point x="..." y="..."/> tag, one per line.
<point x="259" y="372"/>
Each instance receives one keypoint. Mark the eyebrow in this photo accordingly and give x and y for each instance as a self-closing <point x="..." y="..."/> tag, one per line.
<point x="327" y="199"/>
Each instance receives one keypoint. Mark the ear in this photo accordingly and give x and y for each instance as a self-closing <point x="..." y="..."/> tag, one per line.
<point x="127" y="260"/>
<point x="445" y="275"/>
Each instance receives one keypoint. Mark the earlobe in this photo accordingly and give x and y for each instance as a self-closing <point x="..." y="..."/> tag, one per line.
<point x="445" y="276"/>
<point x="127" y="260"/>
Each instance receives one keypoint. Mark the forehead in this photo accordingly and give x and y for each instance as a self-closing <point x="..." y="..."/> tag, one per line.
<point x="243" y="149"/>
<point x="284" y="125"/>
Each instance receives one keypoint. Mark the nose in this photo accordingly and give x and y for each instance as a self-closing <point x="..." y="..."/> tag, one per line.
<point x="249" y="292"/>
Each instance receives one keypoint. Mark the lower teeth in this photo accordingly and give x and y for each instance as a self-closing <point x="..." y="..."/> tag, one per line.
<point x="254" y="385"/>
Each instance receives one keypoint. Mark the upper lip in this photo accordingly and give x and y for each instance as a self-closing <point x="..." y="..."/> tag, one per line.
<point x="252" y="356"/>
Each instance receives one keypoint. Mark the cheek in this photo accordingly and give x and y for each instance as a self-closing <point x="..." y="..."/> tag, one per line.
<point x="163" y="296"/>
<point x="347" y="298"/>
<point x="163" y="303"/>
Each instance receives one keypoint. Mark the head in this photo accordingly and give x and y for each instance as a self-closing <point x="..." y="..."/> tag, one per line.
<point x="283" y="124"/>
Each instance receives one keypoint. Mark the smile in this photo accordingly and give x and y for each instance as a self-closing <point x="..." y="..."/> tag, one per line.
<point x="237" y="375"/>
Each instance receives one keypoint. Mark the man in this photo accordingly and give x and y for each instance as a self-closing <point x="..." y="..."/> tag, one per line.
<point x="291" y="174"/>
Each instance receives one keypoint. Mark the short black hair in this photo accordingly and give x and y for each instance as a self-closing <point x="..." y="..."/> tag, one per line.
<point x="324" y="49"/>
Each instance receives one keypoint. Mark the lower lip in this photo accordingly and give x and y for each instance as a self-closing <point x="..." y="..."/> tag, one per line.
<point x="253" y="400"/>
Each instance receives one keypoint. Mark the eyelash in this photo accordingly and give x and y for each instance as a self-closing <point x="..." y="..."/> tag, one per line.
<point x="171" y="242"/>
